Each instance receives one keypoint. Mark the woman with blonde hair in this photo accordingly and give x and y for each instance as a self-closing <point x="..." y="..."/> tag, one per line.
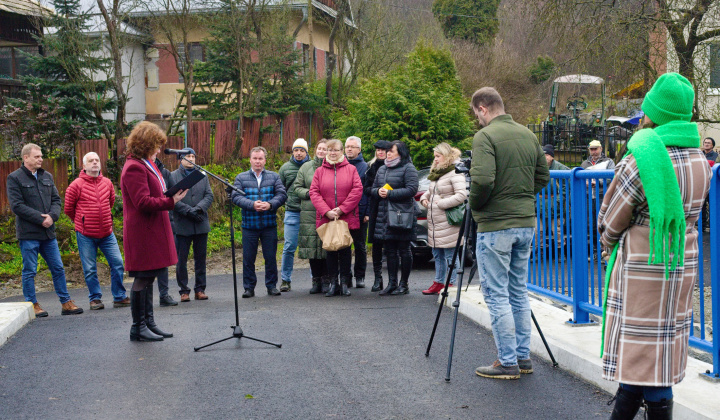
<point x="447" y="190"/>
<point x="147" y="234"/>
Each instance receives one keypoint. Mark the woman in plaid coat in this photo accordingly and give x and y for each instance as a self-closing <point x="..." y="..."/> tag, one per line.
<point x="651" y="276"/>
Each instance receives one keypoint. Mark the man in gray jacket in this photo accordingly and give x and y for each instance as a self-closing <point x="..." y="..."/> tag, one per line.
<point x="36" y="203"/>
<point x="191" y="226"/>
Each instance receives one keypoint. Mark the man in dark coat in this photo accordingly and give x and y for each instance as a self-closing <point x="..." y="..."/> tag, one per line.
<point x="381" y="148"/>
<point x="508" y="170"/>
<point x="191" y="225"/>
<point x="264" y="194"/>
<point x="163" y="280"/>
<point x="354" y="155"/>
<point x="35" y="201"/>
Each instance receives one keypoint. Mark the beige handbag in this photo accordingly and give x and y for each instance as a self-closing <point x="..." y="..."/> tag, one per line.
<point x="335" y="235"/>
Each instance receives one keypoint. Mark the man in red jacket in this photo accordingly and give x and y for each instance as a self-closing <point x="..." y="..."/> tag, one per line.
<point x="88" y="202"/>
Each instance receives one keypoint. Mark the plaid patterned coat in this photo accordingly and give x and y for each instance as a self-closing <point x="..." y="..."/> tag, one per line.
<point x="271" y="190"/>
<point x="648" y="318"/>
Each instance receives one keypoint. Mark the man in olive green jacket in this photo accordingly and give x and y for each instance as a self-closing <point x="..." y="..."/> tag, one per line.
<point x="508" y="170"/>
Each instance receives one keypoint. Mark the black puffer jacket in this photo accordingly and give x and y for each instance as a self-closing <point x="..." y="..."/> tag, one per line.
<point x="404" y="182"/>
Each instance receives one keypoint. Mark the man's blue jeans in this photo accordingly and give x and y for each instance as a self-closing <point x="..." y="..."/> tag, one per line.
<point x="87" y="247"/>
<point x="51" y="254"/>
<point x="292" y="232"/>
<point x="443" y="259"/>
<point x="268" y="238"/>
<point x="503" y="267"/>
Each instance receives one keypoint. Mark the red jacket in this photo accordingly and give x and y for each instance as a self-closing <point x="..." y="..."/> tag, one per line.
<point x="345" y="177"/>
<point x="147" y="234"/>
<point x="88" y="203"/>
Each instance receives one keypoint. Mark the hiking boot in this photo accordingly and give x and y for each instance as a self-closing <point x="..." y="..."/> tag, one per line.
<point x="185" y="297"/>
<point x="285" y="286"/>
<point x="69" y="308"/>
<point x="39" y="312"/>
<point x="167" y="300"/>
<point x="96" y="305"/>
<point x="498" y="371"/>
<point x="525" y="365"/>
<point x="121" y="303"/>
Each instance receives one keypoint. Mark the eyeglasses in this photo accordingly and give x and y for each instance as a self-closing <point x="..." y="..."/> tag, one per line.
<point x="351" y="147"/>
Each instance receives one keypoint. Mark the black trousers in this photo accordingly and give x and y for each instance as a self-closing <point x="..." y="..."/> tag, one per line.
<point x="339" y="262"/>
<point x="398" y="255"/>
<point x="377" y="256"/>
<point x="318" y="267"/>
<point x="359" y="236"/>
<point x="199" y="246"/>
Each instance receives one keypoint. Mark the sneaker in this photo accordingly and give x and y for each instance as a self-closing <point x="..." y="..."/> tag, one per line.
<point x="121" y="303"/>
<point x="285" y="286"/>
<point x="96" y="305"/>
<point x="498" y="371"/>
<point x="69" y="308"/>
<point x="39" y="312"/>
<point x="167" y="300"/>
<point x="525" y="365"/>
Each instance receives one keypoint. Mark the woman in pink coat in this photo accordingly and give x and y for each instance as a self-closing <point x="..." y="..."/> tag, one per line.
<point x="335" y="192"/>
<point x="147" y="235"/>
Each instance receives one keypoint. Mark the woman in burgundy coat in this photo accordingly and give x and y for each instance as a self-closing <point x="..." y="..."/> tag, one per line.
<point x="147" y="235"/>
<point x="335" y="192"/>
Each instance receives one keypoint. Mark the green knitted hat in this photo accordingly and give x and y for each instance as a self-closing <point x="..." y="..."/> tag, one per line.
<point x="670" y="99"/>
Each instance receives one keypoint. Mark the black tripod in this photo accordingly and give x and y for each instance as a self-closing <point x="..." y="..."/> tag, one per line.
<point x="237" y="331"/>
<point x="467" y="235"/>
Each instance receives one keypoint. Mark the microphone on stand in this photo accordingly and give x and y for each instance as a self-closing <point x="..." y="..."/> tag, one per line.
<point x="180" y="152"/>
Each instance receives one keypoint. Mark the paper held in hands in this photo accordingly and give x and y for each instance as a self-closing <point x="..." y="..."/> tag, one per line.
<point x="186" y="183"/>
<point x="387" y="187"/>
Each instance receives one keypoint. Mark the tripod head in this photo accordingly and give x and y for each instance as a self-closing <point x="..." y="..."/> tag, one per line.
<point x="463" y="167"/>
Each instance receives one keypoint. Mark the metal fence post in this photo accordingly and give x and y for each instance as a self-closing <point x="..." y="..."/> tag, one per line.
<point x="714" y="271"/>
<point x="578" y="206"/>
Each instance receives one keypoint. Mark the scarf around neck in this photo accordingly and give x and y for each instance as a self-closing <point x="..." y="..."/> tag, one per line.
<point x="300" y="162"/>
<point x="391" y="163"/>
<point x="436" y="173"/>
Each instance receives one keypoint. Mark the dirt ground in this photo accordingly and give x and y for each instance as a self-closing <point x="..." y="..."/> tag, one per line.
<point x="218" y="263"/>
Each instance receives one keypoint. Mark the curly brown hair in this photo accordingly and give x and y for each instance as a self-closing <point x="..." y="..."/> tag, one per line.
<point x="145" y="138"/>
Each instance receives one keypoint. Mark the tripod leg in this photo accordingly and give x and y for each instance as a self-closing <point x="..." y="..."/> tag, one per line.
<point x="547" y="347"/>
<point x="262" y="341"/>
<point x="219" y="341"/>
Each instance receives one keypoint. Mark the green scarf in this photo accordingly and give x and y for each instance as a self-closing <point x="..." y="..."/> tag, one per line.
<point x="667" y="214"/>
<point x="436" y="173"/>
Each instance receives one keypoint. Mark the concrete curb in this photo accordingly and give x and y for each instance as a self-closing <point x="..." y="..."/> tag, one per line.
<point x="14" y="316"/>
<point x="577" y="350"/>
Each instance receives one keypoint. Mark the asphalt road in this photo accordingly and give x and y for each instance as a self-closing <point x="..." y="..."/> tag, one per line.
<point x="361" y="357"/>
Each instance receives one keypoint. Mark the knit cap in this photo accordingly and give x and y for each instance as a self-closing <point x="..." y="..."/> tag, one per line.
<point x="670" y="99"/>
<point x="302" y="144"/>
<point x="548" y="149"/>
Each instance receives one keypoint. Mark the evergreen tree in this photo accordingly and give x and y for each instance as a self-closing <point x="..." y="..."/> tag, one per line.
<point x="472" y="20"/>
<point x="68" y="69"/>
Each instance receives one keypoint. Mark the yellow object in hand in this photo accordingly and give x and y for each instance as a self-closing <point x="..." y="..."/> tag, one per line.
<point x="387" y="187"/>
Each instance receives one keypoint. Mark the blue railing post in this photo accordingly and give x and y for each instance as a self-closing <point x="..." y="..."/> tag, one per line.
<point x="714" y="270"/>
<point x="579" y="225"/>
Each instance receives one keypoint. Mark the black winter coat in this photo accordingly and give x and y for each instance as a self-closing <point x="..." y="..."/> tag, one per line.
<point x="404" y="182"/>
<point x="372" y="201"/>
<point x="200" y="195"/>
<point x="29" y="198"/>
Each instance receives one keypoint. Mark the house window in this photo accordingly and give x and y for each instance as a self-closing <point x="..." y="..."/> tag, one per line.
<point x="13" y="63"/>
<point x="6" y="63"/>
<point x="715" y="65"/>
<point x="306" y="57"/>
<point x="195" y="54"/>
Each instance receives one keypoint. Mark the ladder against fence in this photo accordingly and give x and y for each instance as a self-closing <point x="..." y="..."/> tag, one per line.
<point x="566" y="263"/>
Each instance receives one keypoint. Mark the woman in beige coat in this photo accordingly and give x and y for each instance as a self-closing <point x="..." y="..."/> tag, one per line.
<point x="447" y="190"/>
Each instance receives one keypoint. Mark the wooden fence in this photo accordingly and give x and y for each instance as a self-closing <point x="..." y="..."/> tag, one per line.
<point x="57" y="167"/>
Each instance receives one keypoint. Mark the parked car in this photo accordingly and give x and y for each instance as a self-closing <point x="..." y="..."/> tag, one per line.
<point x="420" y="248"/>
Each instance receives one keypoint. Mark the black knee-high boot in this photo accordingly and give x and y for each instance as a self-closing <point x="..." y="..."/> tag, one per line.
<point x="405" y="268"/>
<point x="627" y="404"/>
<point x="150" y="315"/>
<point x="392" y="265"/>
<point x="139" y="331"/>
<point x="659" y="410"/>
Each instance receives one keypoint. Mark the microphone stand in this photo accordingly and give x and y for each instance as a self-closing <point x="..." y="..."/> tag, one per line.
<point x="229" y="188"/>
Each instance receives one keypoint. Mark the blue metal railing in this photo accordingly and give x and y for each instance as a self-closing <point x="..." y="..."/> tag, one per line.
<point x="566" y="263"/>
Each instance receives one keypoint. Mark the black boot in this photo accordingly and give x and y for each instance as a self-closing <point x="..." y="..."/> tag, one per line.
<point x="334" y="287"/>
<point x="359" y="282"/>
<point x="325" y="284"/>
<point x="378" y="285"/>
<point x="392" y="265"/>
<point x="344" y="288"/>
<point x="316" y="285"/>
<point x="627" y="404"/>
<point x="659" y="410"/>
<point x="139" y="331"/>
<point x="348" y="282"/>
<point x="150" y="315"/>
<point x="402" y="289"/>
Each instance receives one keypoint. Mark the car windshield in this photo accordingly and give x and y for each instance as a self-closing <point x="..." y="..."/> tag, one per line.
<point x="424" y="182"/>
